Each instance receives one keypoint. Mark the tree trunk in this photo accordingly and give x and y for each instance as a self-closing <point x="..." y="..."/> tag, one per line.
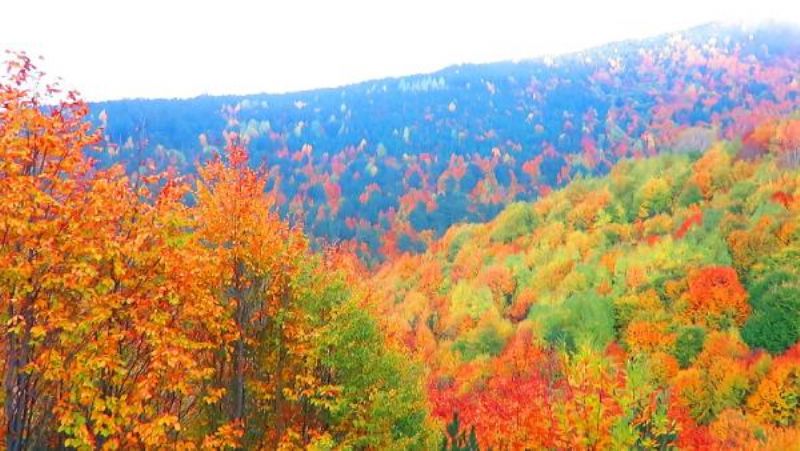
<point x="280" y="423"/>
<point x="19" y="394"/>
<point x="237" y="388"/>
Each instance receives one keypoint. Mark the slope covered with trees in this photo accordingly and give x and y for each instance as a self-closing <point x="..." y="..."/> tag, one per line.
<point x="150" y="298"/>
<point x="654" y="307"/>
<point x="148" y="312"/>
<point x="391" y="164"/>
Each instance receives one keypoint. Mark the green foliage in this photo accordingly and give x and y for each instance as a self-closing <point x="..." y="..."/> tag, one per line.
<point x="457" y="440"/>
<point x="690" y="195"/>
<point x="769" y="209"/>
<point x="744" y="189"/>
<point x="688" y="344"/>
<point x="584" y="318"/>
<point x="379" y="401"/>
<point x="775" y="322"/>
<point x="370" y="375"/>
<point x="486" y="340"/>
<point x="516" y="220"/>
<point x="654" y="197"/>
<point x="471" y="301"/>
<point x="616" y="259"/>
<point x="461" y="237"/>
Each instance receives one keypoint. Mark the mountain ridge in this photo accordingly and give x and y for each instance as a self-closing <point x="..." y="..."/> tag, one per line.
<point x="708" y="27"/>
<point x="389" y="165"/>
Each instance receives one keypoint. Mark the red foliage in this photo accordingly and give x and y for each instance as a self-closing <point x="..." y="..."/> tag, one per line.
<point x="531" y="167"/>
<point x="652" y="239"/>
<point x="511" y="407"/>
<point x="589" y="147"/>
<point x="783" y="198"/>
<point x="334" y="193"/>
<point x="694" y="219"/>
<point x="715" y="291"/>
<point x="692" y="436"/>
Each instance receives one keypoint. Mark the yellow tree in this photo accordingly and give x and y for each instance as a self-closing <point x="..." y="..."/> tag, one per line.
<point x="42" y="169"/>
<point x="257" y="257"/>
<point x="110" y="320"/>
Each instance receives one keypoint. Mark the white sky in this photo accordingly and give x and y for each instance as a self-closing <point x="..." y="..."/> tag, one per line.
<point x="163" y="48"/>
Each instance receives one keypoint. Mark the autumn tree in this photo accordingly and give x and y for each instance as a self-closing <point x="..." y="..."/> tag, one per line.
<point x="775" y="400"/>
<point x="110" y="320"/>
<point x="43" y="167"/>
<point x="257" y="255"/>
<point x="716" y="296"/>
<point x="306" y="366"/>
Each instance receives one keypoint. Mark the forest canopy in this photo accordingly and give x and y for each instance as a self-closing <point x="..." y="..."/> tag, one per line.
<point x="598" y="251"/>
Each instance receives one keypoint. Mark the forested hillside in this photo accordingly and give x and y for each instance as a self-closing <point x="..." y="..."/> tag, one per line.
<point x="656" y="307"/>
<point x="390" y="164"/>
<point x="637" y="288"/>
<point x="158" y="313"/>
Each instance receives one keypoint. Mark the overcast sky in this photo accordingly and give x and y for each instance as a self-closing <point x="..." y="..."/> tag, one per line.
<point x="162" y="48"/>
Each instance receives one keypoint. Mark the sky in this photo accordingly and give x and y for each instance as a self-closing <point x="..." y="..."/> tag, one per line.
<point x="180" y="48"/>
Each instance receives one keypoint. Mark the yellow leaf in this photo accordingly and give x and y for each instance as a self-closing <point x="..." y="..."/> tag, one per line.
<point x="38" y="332"/>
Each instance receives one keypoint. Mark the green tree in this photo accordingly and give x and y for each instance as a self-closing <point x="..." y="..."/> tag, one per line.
<point x="458" y="440"/>
<point x="775" y="322"/>
<point x="688" y="344"/>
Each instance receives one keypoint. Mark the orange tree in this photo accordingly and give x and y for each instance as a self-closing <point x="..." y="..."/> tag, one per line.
<point x="109" y="322"/>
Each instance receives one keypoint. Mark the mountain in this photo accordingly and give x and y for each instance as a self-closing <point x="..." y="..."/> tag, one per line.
<point x="389" y="165"/>
<point x="656" y="307"/>
<point x="648" y="298"/>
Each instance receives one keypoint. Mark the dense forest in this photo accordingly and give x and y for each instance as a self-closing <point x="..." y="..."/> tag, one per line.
<point x="389" y="165"/>
<point x="151" y="312"/>
<point x="304" y="275"/>
<point x="656" y="307"/>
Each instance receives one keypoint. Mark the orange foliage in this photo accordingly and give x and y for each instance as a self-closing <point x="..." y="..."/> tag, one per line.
<point x="646" y="336"/>
<point x="510" y="406"/>
<point x="100" y="283"/>
<point x="499" y="279"/>
<point x="663" y="366"/>
<point x="584" y="213"/>
<point x="776" y="400"/>
<point x="635" y="277"/>
<point x="747" y="245"/>
<point x="589" y="409"/>
<point x="733" y="430"/>
<point x="715" y="292"/>
<point x="518" y="310"/>
<point x="705" y="173"/>
<point x="718" y="378"/>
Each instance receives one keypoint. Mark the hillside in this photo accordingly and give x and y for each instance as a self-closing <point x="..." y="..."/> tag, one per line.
<point x="637" y="288"/>
<point x="132" y="319"/>
<point x="653" y="307"/>
<point x="390" y="164"/>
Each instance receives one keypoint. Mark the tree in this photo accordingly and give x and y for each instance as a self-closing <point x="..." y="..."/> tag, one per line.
<point x="110" y="320"/>
<point x="307" y="366"/>
<point x="718" y="379"/>
<point x="775" y="298"/>
<point x="775" y="400"/>
<point x="515" y="221"/>
<point x="688" y="344"/>
<point x="42" y="164"/>
<point x="775" y="323"/>
<point x="654" y="197"/>
<point x="458" y="440"/>
<point x="716" y="296"/>
<point x="257" y="256"/>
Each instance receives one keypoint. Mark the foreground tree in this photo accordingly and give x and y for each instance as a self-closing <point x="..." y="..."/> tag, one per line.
<point x="109" y="319"/>
<point x="42" y="166"/>
<point x="306" y="364"/>
<point x="132" y="320"/>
